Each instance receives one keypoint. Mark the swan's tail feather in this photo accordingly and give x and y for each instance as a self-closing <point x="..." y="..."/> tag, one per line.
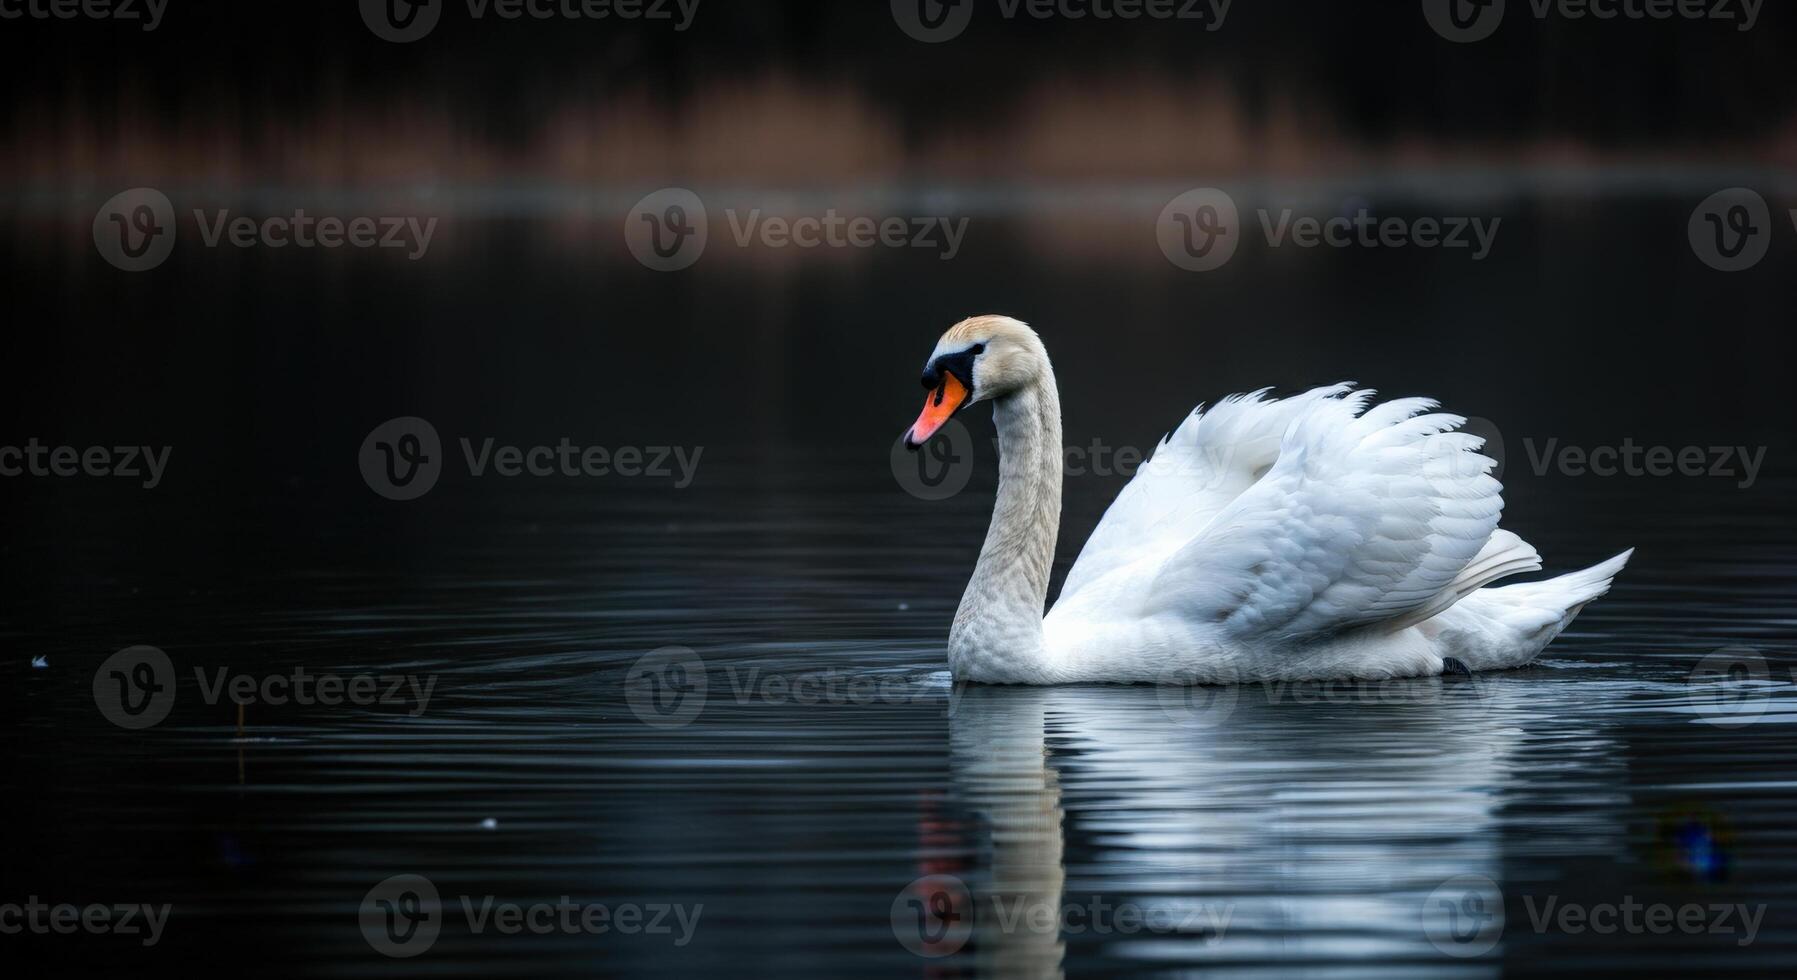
<point x="1570" y="592"/>
<point x="1507" y="627"/>
<point x="1504" y="555"/>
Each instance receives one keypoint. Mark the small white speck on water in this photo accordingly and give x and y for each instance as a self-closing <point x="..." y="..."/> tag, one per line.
<point x="40" y="662"/>
<point x="489" y="824"/>
<point x="904" y="607"/>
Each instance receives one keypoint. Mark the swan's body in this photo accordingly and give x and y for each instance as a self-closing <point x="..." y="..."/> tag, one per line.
<point x="1307" y="538"/>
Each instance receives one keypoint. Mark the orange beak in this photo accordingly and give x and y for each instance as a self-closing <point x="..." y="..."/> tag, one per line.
<point x="937" y="407"/>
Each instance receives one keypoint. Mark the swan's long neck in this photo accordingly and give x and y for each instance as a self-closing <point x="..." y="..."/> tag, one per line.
<point x="997" y="636"/>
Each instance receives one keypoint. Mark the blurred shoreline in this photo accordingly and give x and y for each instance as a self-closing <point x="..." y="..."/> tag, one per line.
<point x="782" y="131"/>
<point x="560" y="198"/>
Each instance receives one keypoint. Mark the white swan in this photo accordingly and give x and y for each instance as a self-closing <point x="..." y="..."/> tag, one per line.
<point x="1308" y="538"/>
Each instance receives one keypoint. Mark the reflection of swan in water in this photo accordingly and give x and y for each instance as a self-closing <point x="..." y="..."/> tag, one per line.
<point x="1313" y="821"/>
<point x="1001" y="772"/>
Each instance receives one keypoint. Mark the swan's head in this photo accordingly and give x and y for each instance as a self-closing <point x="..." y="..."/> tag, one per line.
<point x="979" y="359"/>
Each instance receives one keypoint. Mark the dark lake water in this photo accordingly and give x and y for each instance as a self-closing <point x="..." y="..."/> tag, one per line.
<point x="1260" y="832"/>
<point x="789" y="784"/>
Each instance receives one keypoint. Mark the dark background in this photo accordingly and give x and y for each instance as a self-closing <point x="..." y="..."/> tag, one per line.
<point x="1592" y="140"/>
<point x="1591" y="322"/>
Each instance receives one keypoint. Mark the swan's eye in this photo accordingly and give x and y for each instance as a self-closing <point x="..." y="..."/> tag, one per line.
<point x="977" y="349"/>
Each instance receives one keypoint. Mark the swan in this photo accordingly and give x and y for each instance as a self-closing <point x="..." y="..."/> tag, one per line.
<point x="1317" y="537"/>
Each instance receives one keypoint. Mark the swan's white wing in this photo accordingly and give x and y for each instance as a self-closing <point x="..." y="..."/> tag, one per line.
<point x="1196" y="471"/>
<point x="1363" y="518"/>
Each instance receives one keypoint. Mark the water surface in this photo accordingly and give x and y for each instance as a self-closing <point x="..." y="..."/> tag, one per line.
<point x="831" y="783"/>
<point x="1311" y="824"/>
